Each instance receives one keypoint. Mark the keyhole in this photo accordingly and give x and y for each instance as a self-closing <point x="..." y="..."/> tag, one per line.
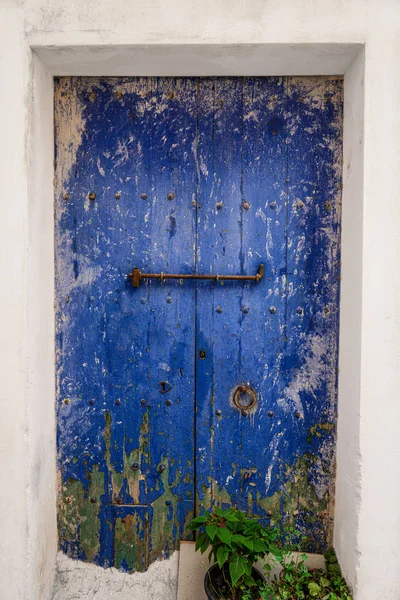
<point x="165" y="387"/>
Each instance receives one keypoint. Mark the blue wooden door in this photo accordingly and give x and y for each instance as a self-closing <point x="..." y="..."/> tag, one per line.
<point x="178" y="394"/>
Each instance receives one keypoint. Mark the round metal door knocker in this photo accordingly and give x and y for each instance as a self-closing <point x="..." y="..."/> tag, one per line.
<point x="244" y="398"/>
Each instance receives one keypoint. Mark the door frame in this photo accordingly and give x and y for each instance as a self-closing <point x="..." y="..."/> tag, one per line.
<point x="206" y="59"/>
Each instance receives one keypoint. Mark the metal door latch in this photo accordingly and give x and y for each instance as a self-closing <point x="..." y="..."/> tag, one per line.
<point x="137" y="276"/>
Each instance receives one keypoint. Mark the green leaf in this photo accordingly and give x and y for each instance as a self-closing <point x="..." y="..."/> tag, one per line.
<point x="197" y="522"/>
<point x="314" y="589"/>
<point x="324" y="582"/>
<point x="248" y="543"/>
<point x="259" y="546"/>
<point x="222" y="555"/>
<point x="249" y="581"/>
<point x="200" y="540"/>
<point x="275" y="551"/>
<point x="237" y="568"/>
<point x="212" y="531"/>
<point x="224" y="535"/>
<point x="231" y="518"/>
<point x="237" y="537"/>
<point x="248" y="569"/>
<point x="205" y="544"/>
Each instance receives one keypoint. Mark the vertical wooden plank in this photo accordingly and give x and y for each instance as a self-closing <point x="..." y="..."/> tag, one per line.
<point x="309" y="397"/>
<point x="246" y="337"/>
<point x="127" y="166"/>
<point x="263" y="317"/>
<point x="218" y="306"/>
<point x="126" y="163"/>
<point x="80" y="350"/>
<point x="172" y="310"/>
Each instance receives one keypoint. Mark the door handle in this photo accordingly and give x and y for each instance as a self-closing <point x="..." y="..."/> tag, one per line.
<point x="137" y="276"/>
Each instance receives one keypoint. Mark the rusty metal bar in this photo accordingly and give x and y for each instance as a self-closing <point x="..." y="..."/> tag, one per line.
<point x="137" y="276"/>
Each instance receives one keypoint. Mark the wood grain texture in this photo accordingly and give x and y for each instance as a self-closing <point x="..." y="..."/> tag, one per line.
<point x="214" y="175"/>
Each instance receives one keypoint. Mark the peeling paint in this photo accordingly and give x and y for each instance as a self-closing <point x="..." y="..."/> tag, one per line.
<point x="78" y="514"/>
<point x="69" y="131"/>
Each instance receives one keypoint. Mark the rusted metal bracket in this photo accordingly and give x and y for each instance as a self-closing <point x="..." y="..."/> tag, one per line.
<point x="137" y="276"/>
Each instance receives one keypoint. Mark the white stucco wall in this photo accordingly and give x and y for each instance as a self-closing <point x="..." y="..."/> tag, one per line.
<point x="222" y="37"/>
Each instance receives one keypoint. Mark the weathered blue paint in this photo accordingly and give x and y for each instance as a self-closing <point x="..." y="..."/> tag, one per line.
<point x="138" y="457"/>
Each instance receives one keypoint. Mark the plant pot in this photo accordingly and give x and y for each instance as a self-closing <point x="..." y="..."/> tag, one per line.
<point x="215" y="584"/>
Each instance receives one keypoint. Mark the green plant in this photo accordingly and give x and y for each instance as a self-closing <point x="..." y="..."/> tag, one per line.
<point x="236" y="542"/>
<point x="297" y="582"/>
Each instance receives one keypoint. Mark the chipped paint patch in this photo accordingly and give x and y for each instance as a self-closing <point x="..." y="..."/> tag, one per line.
<point x="315" y="352"/>
<point x="69" y="131"/>
<point x="302" y="509"/>
<point x="78" y="515"/>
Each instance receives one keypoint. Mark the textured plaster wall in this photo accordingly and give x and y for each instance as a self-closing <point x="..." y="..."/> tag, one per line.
<point x="348" y="455"/>
<point x="13" y="308"/>
<point x="40" y="392"/>
<point x="76" y="579"/>
<point x="367" y="527"/>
